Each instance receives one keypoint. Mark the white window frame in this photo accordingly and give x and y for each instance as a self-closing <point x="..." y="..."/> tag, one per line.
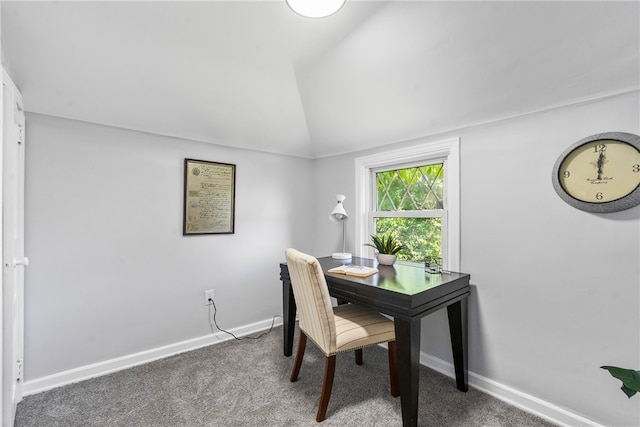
<point x="424" y="152"/>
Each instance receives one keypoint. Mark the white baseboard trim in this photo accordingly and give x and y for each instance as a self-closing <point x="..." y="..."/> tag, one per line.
<point x="113" y="365"/>
<point x="526" y="402"/>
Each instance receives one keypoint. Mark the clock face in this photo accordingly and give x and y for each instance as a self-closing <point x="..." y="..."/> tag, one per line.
<point x="601" y="173"/>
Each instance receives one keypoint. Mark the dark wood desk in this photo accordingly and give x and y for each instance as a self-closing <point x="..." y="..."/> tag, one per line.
<point x="408" y="294"/>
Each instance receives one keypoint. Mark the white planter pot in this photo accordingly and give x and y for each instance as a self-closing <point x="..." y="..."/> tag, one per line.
<point x="386" y="259"/>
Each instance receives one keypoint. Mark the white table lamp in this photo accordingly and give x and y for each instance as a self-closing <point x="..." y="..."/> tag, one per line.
<point x="340" y="215"/>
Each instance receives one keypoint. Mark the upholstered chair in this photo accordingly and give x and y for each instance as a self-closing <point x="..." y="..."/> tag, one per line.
<point x="334" y="330"/>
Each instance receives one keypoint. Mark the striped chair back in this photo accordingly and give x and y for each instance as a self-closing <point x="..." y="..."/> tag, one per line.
<point x="312" y="299"/>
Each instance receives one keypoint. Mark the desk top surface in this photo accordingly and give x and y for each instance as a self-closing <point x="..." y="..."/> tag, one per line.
<point x="398" y="278"/>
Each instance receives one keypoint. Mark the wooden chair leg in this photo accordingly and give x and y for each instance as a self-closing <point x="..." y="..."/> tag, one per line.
<point x="327" y="384"/>
<point x="299" y="355"/>
<point x="359" y="356"/>
<point x="393" y="369"/>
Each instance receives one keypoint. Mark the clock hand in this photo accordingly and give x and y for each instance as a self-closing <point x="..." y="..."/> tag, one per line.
<point x="599" y="164"/>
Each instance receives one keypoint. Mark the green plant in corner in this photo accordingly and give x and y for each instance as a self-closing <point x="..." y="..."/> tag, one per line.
<point x="630" y="379"/>
<point x="385" y="244"/>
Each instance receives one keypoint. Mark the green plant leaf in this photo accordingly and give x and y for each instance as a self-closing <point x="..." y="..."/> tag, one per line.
<point x="385" y="244"/>
<point x="627" y="391"/>
<point x="629" y="377"/>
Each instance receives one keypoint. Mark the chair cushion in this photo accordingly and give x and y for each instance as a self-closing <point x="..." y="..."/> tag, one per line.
<point x="358" y="327"/>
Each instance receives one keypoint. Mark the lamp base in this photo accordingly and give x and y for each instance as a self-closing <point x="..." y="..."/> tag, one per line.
<point x="341" y="255"/>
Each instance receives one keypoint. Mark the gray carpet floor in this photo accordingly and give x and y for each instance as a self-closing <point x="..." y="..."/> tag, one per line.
<point x="246" y="383"/>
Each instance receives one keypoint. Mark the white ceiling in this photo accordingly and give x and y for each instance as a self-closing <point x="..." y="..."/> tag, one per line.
<point x="253" y="74"/>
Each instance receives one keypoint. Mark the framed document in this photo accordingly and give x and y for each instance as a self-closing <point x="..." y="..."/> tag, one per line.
<point x="209" y="197"/>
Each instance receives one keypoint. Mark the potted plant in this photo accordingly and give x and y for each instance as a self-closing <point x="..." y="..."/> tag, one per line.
<point x="629" y="377"/>
<point x="386" y="246"/>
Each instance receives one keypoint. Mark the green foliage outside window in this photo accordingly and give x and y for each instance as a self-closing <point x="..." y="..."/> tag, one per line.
<point x="412" y="189"/>
<point x="421" y="237"/>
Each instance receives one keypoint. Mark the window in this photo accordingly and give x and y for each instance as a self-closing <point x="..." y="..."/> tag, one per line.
<point x="410" y="204"/>
<point x="414" y="192"/>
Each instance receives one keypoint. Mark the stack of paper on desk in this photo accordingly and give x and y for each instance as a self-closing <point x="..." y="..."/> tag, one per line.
<point x="354" y="270"/>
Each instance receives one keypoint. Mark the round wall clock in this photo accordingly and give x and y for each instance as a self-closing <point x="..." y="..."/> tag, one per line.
<point x="600" y="173"/>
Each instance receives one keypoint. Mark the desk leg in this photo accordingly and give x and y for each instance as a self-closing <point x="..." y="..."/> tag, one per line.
<point x="408" y="347"/>
<point x="458" y="325"/>
<point x="288" y="316"/>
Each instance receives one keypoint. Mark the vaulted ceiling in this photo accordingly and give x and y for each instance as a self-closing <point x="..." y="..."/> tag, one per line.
<point x="253" y="74"/>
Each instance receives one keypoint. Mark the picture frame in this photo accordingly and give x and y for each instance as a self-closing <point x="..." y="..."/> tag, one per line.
<point x="209" y="197"/>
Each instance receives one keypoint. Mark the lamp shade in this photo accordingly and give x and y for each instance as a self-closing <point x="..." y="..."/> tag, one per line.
<point x="338" y="213"/>
<point x="315" y="8"/>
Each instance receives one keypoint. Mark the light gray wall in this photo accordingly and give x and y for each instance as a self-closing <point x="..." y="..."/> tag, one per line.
<point x="555" y="290"/>
<point x="111" y="273"/>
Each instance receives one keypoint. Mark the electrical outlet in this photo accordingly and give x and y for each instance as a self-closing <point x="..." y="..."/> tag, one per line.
<point x="208" y="294"/>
